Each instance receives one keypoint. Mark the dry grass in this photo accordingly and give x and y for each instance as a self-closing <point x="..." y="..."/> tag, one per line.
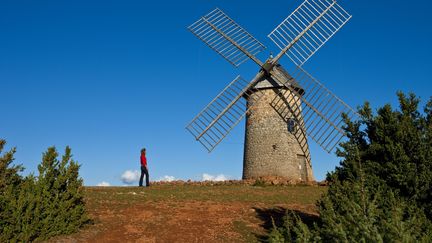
<point x="189" y="213"/>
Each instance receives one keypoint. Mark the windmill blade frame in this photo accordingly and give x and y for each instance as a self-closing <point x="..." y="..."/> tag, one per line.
<point x="294" y="113"/>
<point x="299" y="36"/>
<point x="223" y="113"/>
<point x="308" y="28"/>
<point x="227" y="38"/>
<point x="320" y="110"/>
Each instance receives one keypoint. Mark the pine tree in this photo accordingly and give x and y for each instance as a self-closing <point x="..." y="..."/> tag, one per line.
<point x="10" y="181"/>
<point x="8" y="173"/>
<point x="395" y="150"/>
<point x="61" y="192"/>
<point x="381" y="191"/>
<point x="36" y="208"/>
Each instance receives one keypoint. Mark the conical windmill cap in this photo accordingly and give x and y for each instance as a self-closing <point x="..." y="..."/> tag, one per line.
<point x="284" y="79"/>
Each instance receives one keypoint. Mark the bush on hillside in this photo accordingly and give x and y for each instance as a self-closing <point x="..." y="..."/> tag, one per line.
<point x="36" y="208"/>
<point x="382" y="189"/>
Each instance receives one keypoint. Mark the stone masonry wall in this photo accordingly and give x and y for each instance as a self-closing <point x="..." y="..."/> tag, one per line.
<point x="270" y="149"/>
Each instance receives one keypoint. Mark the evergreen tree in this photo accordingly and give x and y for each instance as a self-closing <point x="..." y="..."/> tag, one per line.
<point x="8" y="173"/>
<point x="61" y="193"/>
<point x="381" y="191"/>
<point x="394" y="149"/>
<point x="10" y="181"/>
<point x="36" y="208"/>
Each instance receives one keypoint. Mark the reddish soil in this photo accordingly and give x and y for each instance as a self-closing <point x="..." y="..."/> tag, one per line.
<point x="172" y="219"/>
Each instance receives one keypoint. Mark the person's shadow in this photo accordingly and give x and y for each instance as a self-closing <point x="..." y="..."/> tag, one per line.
<point x="276" y="215"/>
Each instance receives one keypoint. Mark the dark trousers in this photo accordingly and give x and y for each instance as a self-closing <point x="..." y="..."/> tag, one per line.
<point x="144" y="171"/>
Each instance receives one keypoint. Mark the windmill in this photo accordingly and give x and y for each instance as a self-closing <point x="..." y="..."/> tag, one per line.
<point x="282" y="109"/>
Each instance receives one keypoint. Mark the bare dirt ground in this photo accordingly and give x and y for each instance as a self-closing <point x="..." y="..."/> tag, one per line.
<point x="190" y="212"/>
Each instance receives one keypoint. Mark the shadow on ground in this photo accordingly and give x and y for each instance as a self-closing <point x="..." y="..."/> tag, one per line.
<point x="276" y="215"/>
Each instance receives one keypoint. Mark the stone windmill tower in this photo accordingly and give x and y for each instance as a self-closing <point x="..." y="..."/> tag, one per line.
<point x="271" y="146"/>
<point x="282" y="108"/>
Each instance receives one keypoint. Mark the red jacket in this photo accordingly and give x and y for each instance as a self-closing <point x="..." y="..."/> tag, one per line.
<point x="143" y="160"/>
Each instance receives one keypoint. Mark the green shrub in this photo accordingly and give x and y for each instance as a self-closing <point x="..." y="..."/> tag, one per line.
<point x="351" y="212"/>
<point x="36" y="208"/>
<point x="293" y="230"/>
<point x="381" y="192"/>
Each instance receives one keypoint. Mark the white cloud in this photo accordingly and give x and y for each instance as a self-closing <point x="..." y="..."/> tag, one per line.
<point x="208" y="177"/>
<point x="103" y="183"/>
<point x="167" y="178"/>
<point x="129" y="176"/>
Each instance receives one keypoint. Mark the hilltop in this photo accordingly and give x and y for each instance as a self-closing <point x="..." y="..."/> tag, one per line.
<point x="191" y="212"/>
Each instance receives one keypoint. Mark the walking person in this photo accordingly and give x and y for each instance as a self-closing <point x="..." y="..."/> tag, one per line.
<point x="144" y="168"/>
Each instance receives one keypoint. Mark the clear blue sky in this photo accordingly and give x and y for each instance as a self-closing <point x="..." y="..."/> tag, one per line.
<point x="111" y="77"/>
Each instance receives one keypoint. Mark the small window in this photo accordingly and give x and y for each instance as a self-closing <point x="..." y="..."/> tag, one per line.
<point x="291" y="125"/>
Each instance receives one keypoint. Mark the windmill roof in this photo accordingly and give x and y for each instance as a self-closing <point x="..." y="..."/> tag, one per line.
<point x="282" y="76"/>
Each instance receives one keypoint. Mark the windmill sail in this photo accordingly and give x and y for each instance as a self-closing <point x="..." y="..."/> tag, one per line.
<point x="316" y="111"/>
<point x="219" y="117"/>
<point x="320" y="110"/>
<point x="227" y="38"/>
<point x="289" y="108"/>
<point x="308" y="28"/>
